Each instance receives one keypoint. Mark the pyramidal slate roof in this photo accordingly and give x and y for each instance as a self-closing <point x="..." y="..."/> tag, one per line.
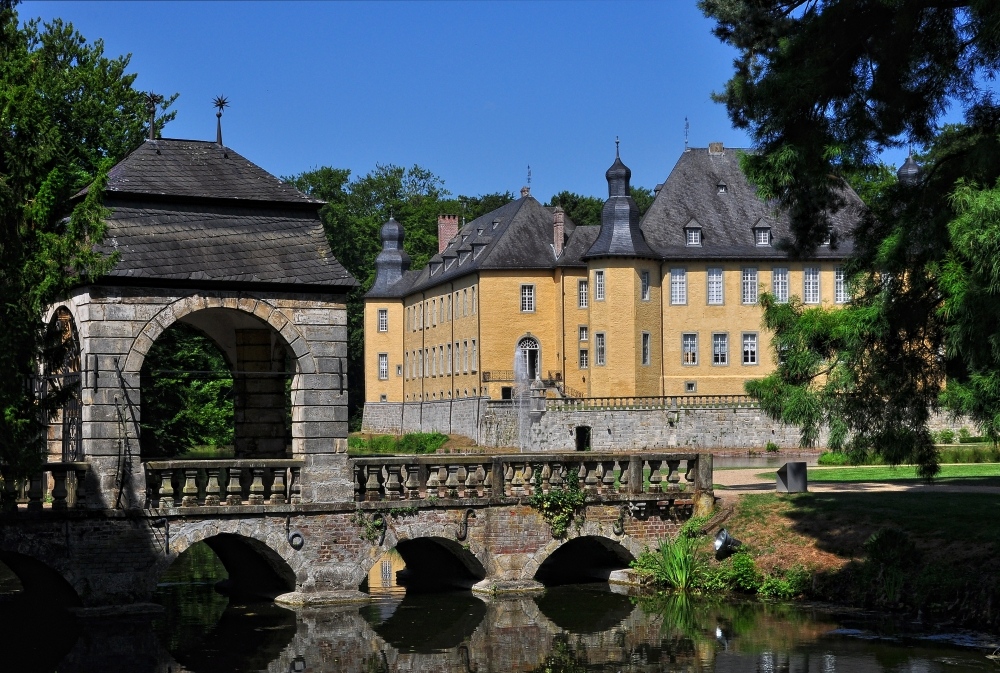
<point x="195" y="213"/>
<point x="620" y="235"/>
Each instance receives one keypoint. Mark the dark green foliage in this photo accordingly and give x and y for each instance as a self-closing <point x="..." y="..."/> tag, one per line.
<point x="560" y="505"/>
<point x="674" y="564"/>
<point x="823" y="87"/>
<point x="68" y="113"/>
<point x="889" y="555"/>
<point x="182" y="411"/>
<point x="414" y="443"/>
<point x="586" y="210"/>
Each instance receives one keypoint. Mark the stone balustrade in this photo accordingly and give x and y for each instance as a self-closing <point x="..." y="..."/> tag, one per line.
<point x="667" y="402"/>
<point x="68" y="488"/>
<point x="614" y="476"/>
<point x="222" y="483"/>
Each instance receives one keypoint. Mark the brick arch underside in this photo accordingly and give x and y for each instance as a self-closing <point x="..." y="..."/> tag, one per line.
<point x="257" y="556"/>
<point x="624" y="547"/>
<point x="43" y="580"/>
<point x="428" y="544"/>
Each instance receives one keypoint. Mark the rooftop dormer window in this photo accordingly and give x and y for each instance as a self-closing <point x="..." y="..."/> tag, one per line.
<point x="721" y="188"/>
<point x="828" y="239"/>
<point x="496" y="223"/>
<point x="463" y="258"/>
<point x="464" y="236"/>
<point x="762" y="235"/>
<point x="692" y="235"/>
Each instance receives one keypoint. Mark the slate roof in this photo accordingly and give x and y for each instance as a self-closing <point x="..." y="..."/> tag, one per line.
<point x="690" y="197"/>
<point x="198" y="214"/>
<point x="620" y="235"/>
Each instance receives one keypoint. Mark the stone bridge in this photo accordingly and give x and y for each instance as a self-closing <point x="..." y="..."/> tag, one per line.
<point x="461" y="520"/>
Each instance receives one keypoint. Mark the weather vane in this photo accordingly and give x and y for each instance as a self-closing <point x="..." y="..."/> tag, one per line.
<point x="616" y="147"/>
<point x="687" y="127"/>
<point x="529" y="175"/>
<point x="152" y="100"/>
<point x="220" y="103"/>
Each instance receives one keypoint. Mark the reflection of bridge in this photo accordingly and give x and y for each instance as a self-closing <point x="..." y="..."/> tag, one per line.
<point x="465" y="519"/>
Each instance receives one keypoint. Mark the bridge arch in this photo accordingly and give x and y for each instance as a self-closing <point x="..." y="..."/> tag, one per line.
<point x="590" y="555"/>
<point x="434" y="561"/>
<point x="41" y="582"/>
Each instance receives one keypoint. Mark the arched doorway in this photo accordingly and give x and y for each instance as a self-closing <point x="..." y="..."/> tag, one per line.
<point x="526" y="359"/>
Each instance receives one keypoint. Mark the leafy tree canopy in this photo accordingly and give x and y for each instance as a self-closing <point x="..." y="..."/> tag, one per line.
<point x="67" y="113"/>
<point x="586" y="210"/>
<point x="824" y="87"/>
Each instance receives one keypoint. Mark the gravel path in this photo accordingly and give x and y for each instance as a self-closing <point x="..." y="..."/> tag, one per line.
<point x="747" y="481"/>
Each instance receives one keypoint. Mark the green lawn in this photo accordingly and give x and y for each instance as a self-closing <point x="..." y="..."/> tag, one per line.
<point x="980" y="474"/>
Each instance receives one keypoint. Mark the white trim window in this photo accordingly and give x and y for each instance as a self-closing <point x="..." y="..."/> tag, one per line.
<point x="840" y="293"/>
<point x="434" y="361"/>
<point x="475" y="356"/>
<point x="599" y="285"/>
<point x="600" y="350"/>
<point x="689" y="349"/>
<point x="692" y="236"/>
<point x="383" y="366"/>
<point x="720" y="348"/>
<point x="449" y="307"/>
<point x="582" y="294"/>
<point x="810" y="285"/>
<point x="383" y="320"/>
<point x="646" y="347"/>
<point x="762" y="236"/>
<point x="750" y="348"/>
<point x="584" y="358"/>
<point x="527" y="299"/>
<point x="465" y="357"/>
<point x="750" y="286"/>
<point x="644" y="281"/>
<point x="420" y="363"/>
<point x="779" y="284"/>
<point x="457" y="358"/>
<point x="447" y="361"/>
<point x="715" y="294"/>
<point x="434" y="313"/>
<point x="678" y="286"/>
<point x="465" y="303"/>
<point x="584" y="333"/>
<point x="474" y="300"/>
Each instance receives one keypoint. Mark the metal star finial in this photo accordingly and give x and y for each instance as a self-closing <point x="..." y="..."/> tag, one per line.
<point x="152" y="100"/>
<point x="220" y="103"/>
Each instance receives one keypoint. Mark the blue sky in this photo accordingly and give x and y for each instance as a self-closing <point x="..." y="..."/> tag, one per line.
<point x="472" y="91"/>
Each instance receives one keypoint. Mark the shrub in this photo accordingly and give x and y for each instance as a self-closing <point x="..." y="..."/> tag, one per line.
<point x="785" y="585"/>
<point x="415" y="443"/>
<point x="833" y="458"/>
<point x="745" y="576"/>
<point x="771" y="447"/>
<point x="674" y="564"/>
<point x="890" y="552"/>
<point x="559" y="505"/>
<point x="945" y="436"/>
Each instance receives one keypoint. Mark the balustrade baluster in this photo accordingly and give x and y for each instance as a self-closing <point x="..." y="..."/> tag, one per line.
<point x="434" y="481"/>
<point x="529" y="481"/>
<point x="556" y="479"/>
<point x="591" y="480"/>
<point x="393" y="485"/>
<point x="672" y="476"/>
<point x="358" y="482"/>
<point x="689" y="469"/>
<point x="212" y="489"/>
<point x="190" y="490"/>
<point x="623" y="470"/>
<point x="546" y="475"/>
<point x="372" y="490"/>
<point x="508" y="479"/>
<point x="654" y="475"/>
<point x="257" y="487"/>
<point x="59" y="491"/>
<point x="277" y="486"/>
<point x="295" y="486"/>
<point x="166" y="493"/>
<point x="234" y="490"/>
<point x="451" y="483"/>
<point x="516" y="479"/>
<point x="472" y="481"/>
<point x="35" y="492"/>
<point x="413" y="481"/>
<point x="608" y="480"/>
<point x="486" y="476"/>
<point x="80" y="497"/>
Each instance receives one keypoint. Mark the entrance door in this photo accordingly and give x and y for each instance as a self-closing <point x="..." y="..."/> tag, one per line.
<point x="527" y="350"/>
<point x="583" y="438"/>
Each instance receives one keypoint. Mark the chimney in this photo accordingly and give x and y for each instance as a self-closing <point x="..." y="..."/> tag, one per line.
<point x="525" y="191"/>
<point x="558" y="230"/>
<point x="447" y="230"/>
<point x="715" y="148"/>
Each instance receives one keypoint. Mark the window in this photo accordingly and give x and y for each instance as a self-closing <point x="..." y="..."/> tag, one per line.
<point x="810" y="285"/>
<point x="840" y="286"/>
<point x="583" y="333"/>
<point x="644" y="278"/>
<point x="527" y="299"/>
<point x="692" y="236"/>
<point x="690" y="387"/>
<point x="434" y="361"/>
<point x="750" y="348"/>
<point x="720" y="349"/>
<point x="383" y="366"/>
<point x="399" y="370"/>
<point x="678" y="286"/>
<point x="383" y="320"/>
<point x="582" y="294"/>
<point x="473" y="300"/>
<point x="599" y="352"/>
<point x="458" y="360"/>
<point x="715" y="286"/>
<point x="645" y="348"/>
<point x="420" y="366"/>
<point x="449" y="306"/>
<point x="779" y="284"/>
<point x="749" y="286"/>
<point x="584" y="358"/>
<point x="408" y="363"/>
<point x="465" y="357"/>
<point x="599" y="285"/>
<point x="434" y="315"/>
<point x="383" y="398"/>
<point x="475" y="359"/>
<point x="441" y="312"/>
<point x="447" y="360"/>
<point x="721" y="188"/>
<point x="465" y="302"/>
<point x="689" y="349"/>
<point x="762" y="235"/>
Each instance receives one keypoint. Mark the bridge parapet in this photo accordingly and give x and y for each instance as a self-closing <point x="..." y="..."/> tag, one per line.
<point x="212" y="483"/>
<point x="602" y="476"/>
<point x="68" y="488"/>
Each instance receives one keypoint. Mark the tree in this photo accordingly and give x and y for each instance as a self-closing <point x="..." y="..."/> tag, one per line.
<point x="586" y="210"/>
<point x="67" y="113"/>
<point x="824" y="87"/>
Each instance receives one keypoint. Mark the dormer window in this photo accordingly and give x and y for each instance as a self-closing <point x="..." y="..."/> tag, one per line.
<point x="692" y="235"/>
<point x="463" y="258"/>
<point x="450" y="263"/>
<point x="828" y="238"/>
<point x="464" y="236"/>
<point x="496" y="223"/>
<point x="721" y="188"/>
<point x="476" y="250"/>
<point x="762" y="235"/>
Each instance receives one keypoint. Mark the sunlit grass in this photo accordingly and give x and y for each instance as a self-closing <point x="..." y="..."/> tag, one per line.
<point x="983" y="473"/>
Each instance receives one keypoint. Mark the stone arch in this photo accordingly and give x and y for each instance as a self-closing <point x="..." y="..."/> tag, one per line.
<point x="257" y="556"/>
<point x="533" y="344"/>
<point x="425" y="555"/>
<point x="625" y="547"/>
<point x="41" y="581"/>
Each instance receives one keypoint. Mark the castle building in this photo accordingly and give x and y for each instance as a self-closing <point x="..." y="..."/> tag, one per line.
<point x="662" y="306"/>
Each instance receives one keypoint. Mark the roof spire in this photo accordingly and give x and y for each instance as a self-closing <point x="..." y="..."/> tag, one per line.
<point x="220" y="103"/>
<point x="687" y="127"/>
<point x="616" y="148"/>
<point x="152" y="100"/>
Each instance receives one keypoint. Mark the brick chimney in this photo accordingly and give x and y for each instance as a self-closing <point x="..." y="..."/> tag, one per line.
<point x="447" y="230"/>
<point x="558" y="230"/>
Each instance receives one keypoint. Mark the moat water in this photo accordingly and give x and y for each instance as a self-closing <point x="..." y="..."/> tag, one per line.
<point x="568" y="629"/>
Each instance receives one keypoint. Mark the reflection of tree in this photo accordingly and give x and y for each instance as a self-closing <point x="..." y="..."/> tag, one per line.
<point x="563" y="658"/>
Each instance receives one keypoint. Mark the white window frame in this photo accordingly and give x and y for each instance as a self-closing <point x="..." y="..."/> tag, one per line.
<point x="716" y="286"/>
<point x="599" y="288"/>
<point x="399" y="370"/>
<point x="465" y="302"/>
<point x="840" y="293"/>
<point x="751" y="348"/>
<point x="748" y="288"/>
<point x="584" y="359"/>
<point x="527" y="298"/>
<point x="383" y="366"/>
<point x="644" y="285"/>
<point x="383" y="320"/>
<point x="720" y="356"/>
<point x="779" y="284"/>
<point x="810" y="285"/>
<point x="458" y="358"/>
<point x="689" y="338"/>
<point x="584" y="333"/>
<point x="600" y="349"/>
<point x="473" y="300"/>
<point x="582" y="294"/>
<point x="420" y="362"/>
<point x="465" y="356"/>
<point x="434" y="361"/>
<point x="692" y="236"/>
<point x="447" y="365"/>
<point x="678" y="287"/>
<point x="647" y="347"/>
<point x="762" y="236"/>
<point x="434" y="313"/>
<point x="475" y="356"/>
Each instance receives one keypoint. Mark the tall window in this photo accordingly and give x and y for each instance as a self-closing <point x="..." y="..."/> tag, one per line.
<point x="465" y="357"/>
<point x="420" y="358"/>
<point x="582" y="294"/>
<point x="644" y="277"/>
<point x="441" y="312"/>
<point x="689" y="349"/>
<point x="434" y="361"/>
<point x="810" y="285"/>
<point x="406" y="364"/>
<point x="584" y="358"/>
<point x="645" y="348"/>
<point x="458" y="359"/>
<point x="434" y="315"/>
<point x="475" y="359"/>
<point x="383" y="366"/>
<point x="527" y="298"/>
<point x="449" y="306"/>
<point x="779" y="284"/>
<point x="473" y="300"/>
<point x="749" y="286"/>
<point x="720" y="349"/>
<point x="599" y="285"/>
<point x="447" y="361"/>
<point x="840" y="286"/>
<point x="599" y="350"/>
<point x="383" y="320"/>
<point x="715" y="286"/>
<point x="678" y="286"/>
<point x="465" y="302"/>
<point x="583" y="333"/>
<point x="749" y="348"/>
